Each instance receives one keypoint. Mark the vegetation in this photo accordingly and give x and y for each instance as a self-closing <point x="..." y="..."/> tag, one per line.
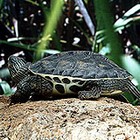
<point x="34" y="29"/>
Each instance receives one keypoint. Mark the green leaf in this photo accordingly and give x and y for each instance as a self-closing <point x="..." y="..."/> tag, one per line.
<point x="131" y="98"/>
<point x="5" y="89"/>
<point x="127" y="19"/>
<point x="105" y="50"/>
<point x="32" y="2"/>
<point x="121" y="23"/>
<point x="4" y="73"/>
<point x="1" y="3"/>
<point x="132" y="11"/>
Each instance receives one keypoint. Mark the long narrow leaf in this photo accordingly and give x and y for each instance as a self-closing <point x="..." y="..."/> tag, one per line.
<point x="50" y="26"/>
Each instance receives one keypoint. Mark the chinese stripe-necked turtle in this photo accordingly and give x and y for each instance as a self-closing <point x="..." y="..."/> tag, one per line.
<point x="84" y="73"/>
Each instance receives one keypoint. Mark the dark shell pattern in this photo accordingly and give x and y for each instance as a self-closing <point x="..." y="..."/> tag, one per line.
<point x="80" y="64"/>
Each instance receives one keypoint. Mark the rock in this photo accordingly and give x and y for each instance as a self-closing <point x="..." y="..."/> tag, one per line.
<point x="70" y="119"/>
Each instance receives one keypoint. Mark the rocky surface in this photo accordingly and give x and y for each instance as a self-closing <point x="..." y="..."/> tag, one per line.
<point x="70" y="119"/>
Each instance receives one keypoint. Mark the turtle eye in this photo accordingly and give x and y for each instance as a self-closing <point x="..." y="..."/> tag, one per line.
<point x="11" y="59"/>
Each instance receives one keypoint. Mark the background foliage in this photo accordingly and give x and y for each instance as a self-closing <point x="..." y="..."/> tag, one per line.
<point x="34" y="29"/>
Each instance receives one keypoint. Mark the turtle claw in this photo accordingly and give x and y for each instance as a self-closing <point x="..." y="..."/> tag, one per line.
<point x="17" y="98"/>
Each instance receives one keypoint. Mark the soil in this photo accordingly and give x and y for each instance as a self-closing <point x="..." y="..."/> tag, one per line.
<point x="69" y="119"/>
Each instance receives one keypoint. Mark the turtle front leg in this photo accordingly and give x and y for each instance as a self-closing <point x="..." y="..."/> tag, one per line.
<point x="31" y="87"/>
<point x="94" y="93"/>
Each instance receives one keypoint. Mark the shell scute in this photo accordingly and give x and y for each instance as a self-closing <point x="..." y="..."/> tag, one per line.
<point x="81" y="64"/>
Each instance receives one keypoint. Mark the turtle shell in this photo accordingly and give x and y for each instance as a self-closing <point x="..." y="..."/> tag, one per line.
<point x="81" y="64"/>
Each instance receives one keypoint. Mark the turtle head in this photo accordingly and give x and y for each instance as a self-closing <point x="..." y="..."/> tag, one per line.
<point x="18" y="68"/>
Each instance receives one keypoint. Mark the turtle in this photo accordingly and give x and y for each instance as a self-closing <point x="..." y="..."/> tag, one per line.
<point x="84" y="74"/>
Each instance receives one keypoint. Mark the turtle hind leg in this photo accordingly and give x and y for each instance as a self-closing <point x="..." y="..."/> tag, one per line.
<point x="131" y="88"/>
<point x="94" y="93"/>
